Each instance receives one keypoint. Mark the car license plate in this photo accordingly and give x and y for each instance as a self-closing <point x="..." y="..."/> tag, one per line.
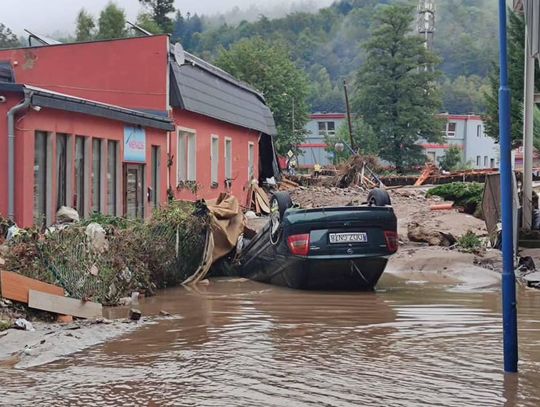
<point x="348" y="237"/>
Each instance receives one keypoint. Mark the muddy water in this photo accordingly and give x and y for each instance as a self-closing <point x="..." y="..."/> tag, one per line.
<point x="240" y="343"/>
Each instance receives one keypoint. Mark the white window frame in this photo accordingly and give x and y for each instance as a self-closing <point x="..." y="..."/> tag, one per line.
<point x="251" y="161"/>
<point x="214" y="161"/>
<point x="451" y="133"/>
<point x="186" y="166"/>
<point x="228" y="158"/>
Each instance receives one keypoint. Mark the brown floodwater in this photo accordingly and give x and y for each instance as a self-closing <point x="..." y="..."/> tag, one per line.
<point x="241" y="343"/>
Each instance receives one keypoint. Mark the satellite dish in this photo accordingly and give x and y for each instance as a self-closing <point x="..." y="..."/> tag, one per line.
<point x="179" y="55"/>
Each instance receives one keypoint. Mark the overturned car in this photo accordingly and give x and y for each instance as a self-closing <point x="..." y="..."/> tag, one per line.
<point x="333" y="248"/>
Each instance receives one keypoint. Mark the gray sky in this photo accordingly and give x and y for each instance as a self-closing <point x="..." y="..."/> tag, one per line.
<point x="50" y="16"/>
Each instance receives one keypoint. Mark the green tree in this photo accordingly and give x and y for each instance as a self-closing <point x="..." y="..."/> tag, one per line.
<point x="365" y="140"/>
<point x="268" y="67"/>
<point x="86" y="25"/>
<point x="516" y="68"/>
<point x="464" y="94"/>
<point x="451" y="158"/>
<point x="7" y="38"/>
<point x="396" y="88"/>
<point x="112" y="22"/>
<point x="160" y="13"/>
<point x="147" y="22"/>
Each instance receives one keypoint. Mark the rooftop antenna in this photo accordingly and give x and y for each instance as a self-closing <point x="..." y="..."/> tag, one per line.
<point x="139" y="29"/>
<point x="425" y="22"/>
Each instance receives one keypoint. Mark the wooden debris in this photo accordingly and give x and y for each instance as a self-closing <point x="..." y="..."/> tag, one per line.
<point x="16" y="287"/>
<point x="64" y="306"/>
<point x="429" y="170"/>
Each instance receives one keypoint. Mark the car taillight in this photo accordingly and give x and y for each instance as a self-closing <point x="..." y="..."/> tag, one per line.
<point x="299" y="244"/>
<point x="391" y="238"/>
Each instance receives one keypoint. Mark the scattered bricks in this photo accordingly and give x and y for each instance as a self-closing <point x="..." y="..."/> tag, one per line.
<point x="64" y="319"/>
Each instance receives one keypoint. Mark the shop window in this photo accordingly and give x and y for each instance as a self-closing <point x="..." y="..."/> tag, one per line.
<point x="214" y="161"/>
<point x="228" y="159"/>
<point x="61" y="170"/>
<point x="451" y="129"/>
<point x="187" y="156"/>
<point x="156" y="164"/>
<point x="112" y="176"/>
<point x="251" y="161"/>
<point x="134" y="191"/>
<point x="41" y="188"/>
<point x="96" y="175"/>
<point x="79" y="174"/>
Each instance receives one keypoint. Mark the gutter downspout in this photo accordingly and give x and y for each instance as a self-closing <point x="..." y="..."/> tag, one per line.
<point x="11" y="152"/>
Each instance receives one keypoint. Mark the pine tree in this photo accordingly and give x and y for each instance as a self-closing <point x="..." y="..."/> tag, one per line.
<point x="160" y="13"/>
<point x="396" y="91"/>
<point x="112" y="22"/>
<point x="85" y="26"/>
<point x="516" y="68"/>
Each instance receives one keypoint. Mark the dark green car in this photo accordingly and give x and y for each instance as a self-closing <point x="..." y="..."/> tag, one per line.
<point x="335" y="248"/>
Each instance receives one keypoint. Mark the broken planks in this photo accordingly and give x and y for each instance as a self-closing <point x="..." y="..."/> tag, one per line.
<point x="16" y="287"/>
<point x="64" y="305"/>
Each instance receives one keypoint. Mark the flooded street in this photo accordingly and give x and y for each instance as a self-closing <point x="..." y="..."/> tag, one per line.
<point x="240" y="343"/>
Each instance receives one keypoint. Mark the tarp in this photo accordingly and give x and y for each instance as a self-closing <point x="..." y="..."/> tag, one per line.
<point x="227" y="224"/>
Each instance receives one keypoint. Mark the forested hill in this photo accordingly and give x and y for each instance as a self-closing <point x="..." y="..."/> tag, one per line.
<point x="328" y="45"/>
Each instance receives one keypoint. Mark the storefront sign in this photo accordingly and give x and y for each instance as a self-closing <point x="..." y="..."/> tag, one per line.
<point x="134" y="145"/>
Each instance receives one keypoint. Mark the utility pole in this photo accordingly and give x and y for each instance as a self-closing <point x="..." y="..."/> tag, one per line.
<point x="348" y="114"/>
<point x="528" y="124"/>
<point x="510" y="335"/>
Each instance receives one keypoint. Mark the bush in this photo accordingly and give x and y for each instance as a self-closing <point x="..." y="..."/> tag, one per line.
<point x="467" y="195"/>
<point x="469" y="242"/>
<point x="451" y="159"/>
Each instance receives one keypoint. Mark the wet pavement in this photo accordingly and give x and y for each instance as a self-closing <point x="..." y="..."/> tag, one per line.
<point x="241" y="343"/>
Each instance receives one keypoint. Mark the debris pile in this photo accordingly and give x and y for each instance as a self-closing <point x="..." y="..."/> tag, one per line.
<point x="361" y="171"/>
<point x="423" y="234"/>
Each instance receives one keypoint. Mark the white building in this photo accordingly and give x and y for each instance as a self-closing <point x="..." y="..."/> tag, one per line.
<point x="467" y="132"/>
<point x="314" y="146"/>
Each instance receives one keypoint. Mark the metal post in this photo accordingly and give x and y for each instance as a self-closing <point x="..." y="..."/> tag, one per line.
<point x="528" y="123"/>
<point x="348" y="114"/>
<point x="508" y="277"/>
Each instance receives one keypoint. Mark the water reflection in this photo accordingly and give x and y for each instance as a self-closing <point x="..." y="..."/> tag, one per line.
<point x="240" y="343"/>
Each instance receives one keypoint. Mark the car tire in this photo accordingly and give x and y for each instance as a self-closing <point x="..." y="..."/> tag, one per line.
<point x="279" y="203"/>
<point x="378" y="197"/>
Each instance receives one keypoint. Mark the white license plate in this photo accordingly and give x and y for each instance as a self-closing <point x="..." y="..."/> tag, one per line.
<point x="348" y="237"/>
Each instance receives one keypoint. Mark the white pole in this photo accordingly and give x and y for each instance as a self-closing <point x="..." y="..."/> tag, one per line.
<point x="528" y="123"/>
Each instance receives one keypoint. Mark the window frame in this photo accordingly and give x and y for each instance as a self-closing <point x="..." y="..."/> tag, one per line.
<point x="228" y="158"/>
<point x="214" y="161"/>
<point x="190" y="164"/>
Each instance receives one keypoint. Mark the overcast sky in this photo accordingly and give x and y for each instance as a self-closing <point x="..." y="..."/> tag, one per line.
<point x="50" y="16"/>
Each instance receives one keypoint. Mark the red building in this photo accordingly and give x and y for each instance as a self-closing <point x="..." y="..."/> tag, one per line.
<point x="119" y="126"/>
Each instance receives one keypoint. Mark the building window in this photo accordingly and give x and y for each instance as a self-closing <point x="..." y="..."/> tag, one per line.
<point x="61" y="170"/>
<point x="486" y="158"/>
<point x="451" y="129"/>
<point x="327" y="129"/>
<point x="187" y="156"/>
<point x="112" y="176"/>
<point x="40" y="177"/>
<point x="251" y="161"/>
<point x="478" y="158"/>
<point x="156" y="164"/>
<point x="228" y="159"/>
<point x="96" y="175"/>
<point x="431" y="155"/>
<point x="492" y="163"/>
<point x="479" y="131"/>
<point x="214" y="161"/>
<point x="79" y="175"/>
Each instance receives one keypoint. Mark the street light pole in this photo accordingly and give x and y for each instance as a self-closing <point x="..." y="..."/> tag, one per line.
<point x="348" y="113"/>
<point x="510" y="340"/>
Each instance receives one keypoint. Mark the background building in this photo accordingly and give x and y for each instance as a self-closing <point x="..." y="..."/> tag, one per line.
<point x="313" y="148"/>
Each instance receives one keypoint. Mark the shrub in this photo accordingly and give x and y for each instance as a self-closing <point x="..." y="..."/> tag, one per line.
<point x="469" y="242"/>
<point x="467" y="195"/>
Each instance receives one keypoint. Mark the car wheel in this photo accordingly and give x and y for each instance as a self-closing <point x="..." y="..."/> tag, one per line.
<point x="378" y="197"/>
<point x="279" y="203"/>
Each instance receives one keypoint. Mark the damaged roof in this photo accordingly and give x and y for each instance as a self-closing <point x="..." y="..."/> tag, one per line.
<point x="202" y="88"/>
